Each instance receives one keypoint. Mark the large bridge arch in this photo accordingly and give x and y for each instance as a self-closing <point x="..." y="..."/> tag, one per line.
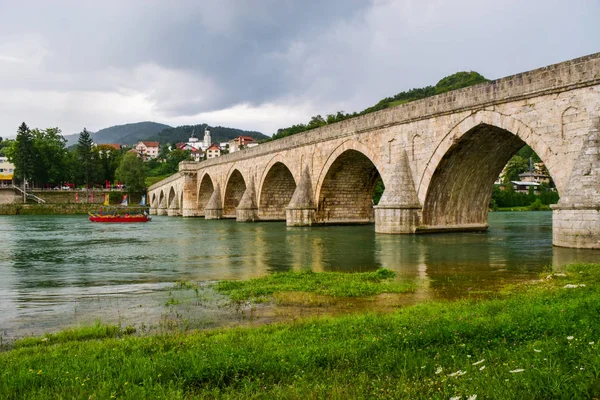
<point x="205" y="191"/>
<point x="346" y="184"/>
<point x="457" y="184"/>
<point x="234" y="190"/>
<point x="277" y="186"/>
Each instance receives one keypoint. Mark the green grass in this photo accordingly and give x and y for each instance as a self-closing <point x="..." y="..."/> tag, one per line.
<point x="324" y="283"/>
<point x="151" y="180"/>
<point x="541" y="342"/>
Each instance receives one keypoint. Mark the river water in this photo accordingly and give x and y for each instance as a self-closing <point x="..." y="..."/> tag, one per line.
<point x="63" y="271"/>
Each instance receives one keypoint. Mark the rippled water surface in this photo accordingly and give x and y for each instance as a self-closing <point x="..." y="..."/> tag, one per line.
<point x="59" y="271"/>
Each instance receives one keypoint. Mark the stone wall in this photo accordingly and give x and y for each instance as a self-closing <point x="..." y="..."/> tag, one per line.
<point x="9" y="196"/>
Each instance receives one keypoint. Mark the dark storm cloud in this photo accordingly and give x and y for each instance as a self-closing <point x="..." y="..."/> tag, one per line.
<point x="234" y="44"/>
<point x="261" y="64"/>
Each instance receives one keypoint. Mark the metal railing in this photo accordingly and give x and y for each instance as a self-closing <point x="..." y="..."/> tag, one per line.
<point x="29" y="195"/>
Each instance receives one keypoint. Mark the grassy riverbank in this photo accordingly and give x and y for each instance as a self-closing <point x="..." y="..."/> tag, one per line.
<point x="322" y="283"/>
<point x="540" y="341"/>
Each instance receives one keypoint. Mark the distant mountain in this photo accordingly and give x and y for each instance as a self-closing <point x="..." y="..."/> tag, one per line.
<point x="150" y="131"/>
<point x="217" y="134"/>
<point x="122" y="134"/>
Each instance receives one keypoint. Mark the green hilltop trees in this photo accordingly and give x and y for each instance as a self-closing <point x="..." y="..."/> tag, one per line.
<point x="456" y="81"/>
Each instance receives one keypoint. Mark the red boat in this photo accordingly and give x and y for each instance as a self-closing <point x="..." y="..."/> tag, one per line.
<point x="137" y="217"/>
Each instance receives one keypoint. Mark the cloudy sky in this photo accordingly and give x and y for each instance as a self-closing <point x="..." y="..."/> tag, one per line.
<point x="261" y="64"/>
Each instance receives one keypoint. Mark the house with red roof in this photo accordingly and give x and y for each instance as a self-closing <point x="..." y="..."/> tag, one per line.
<point x="241" y="142"/>
<point x="147" y="149"/>
<point x="213" y="151"/>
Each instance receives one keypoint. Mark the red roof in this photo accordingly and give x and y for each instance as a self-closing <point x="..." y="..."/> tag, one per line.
<point x="113" y="145"/>
<point x="150" y="144"/>
<point x="246" y="138"/>
<point x="213" y="147"/>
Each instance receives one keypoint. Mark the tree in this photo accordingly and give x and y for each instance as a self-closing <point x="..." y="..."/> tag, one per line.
<point x="515" y="166"/>
<point x="21" y="154"/>
<point x="86" y="156"/>
<point x="109" y="160"/>
<point x="175" y="157"/>
<point x="132" y="173"/>
<point x="50" y="150"/>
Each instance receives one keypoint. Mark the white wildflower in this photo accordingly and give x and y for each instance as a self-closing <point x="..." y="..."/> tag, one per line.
<point x="515" y="371"/>
<point x="457" y="373"/>
<point x="570" y="337"/>
<point x="537" y="351"/>
<point x="456" y="398"/>
<point x="439" y="370"/>
<point x="472" y="397"/>
<point x="482" y="368"/>
<point x="478" y="362"/>
<point x="591" y="343"/>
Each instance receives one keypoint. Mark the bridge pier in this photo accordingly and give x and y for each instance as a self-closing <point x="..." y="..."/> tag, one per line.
<point x="576" y="217"/>
<point x="153" y="211"/>
<point x="214" y="207"/>
<point x="161" y="211"/>
<point x="399" y="210"/>
<point x="189" y="207"/>
<point x="247" y="210"/>
<point x="301" y="210"/>
<point x="173" y="212"/>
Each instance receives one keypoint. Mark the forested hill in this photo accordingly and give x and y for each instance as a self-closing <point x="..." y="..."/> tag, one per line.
<point x="456" y="81"/>
<point x="149" y="131"/>
<point x="123" y="134"/>
<point x="217" y="133"/>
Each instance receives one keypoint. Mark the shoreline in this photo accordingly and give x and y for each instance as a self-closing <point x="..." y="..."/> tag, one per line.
<point x="539" y="338"/>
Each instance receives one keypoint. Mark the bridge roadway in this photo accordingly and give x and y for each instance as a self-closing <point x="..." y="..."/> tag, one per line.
<point x="438" y="159"/>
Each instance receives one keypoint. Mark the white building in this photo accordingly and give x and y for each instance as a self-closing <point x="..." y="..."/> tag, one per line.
<point x="240" y="143"/>
<point x="213" y="151"/>
<point x="7" y="170"/>
<point x="147" y="149"/>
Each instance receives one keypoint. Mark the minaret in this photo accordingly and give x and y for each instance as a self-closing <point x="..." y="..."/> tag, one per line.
<point x="207" y="139"/>
<point x="193" y="138"/>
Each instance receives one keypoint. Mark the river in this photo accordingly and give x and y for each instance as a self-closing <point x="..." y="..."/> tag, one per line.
<point x="63" y="271"/>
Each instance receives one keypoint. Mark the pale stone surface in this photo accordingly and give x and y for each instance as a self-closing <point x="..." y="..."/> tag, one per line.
<point x="452" y="146"/>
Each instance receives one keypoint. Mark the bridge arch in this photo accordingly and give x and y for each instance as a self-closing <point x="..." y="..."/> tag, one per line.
<point x="346" y="185"/>
<point x="276" y="189"/>
<point x="205" y="191"/>
<point x="234" y="190"/>
<point x="456" y="186"/>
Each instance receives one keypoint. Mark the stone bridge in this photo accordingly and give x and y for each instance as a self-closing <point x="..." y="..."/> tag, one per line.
<point x="438" y="159"/>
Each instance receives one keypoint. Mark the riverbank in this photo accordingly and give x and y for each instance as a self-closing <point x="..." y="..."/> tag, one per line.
<point x="539" y="339"/>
